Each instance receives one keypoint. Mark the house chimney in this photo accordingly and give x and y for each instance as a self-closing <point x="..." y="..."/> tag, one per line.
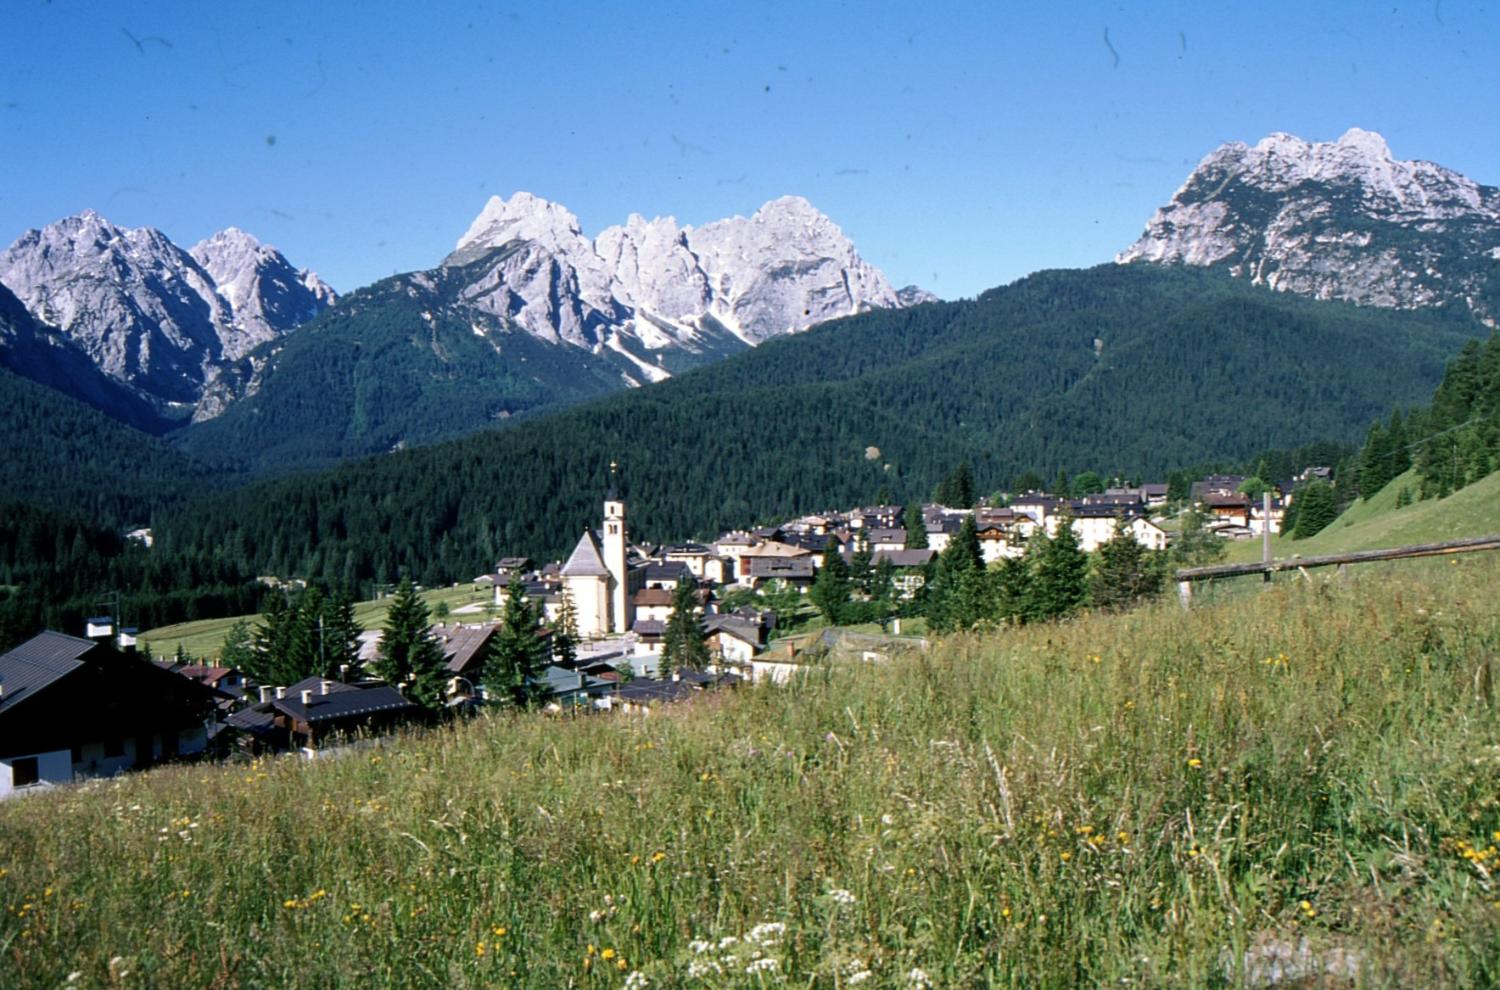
<point x="676" y="676"/>
<point x="306" y="698"/>
<point x="324" y="686"/>
<point x="265" y="693"/>
<point x="343" y="671"/>
<point x="280" y="693"/>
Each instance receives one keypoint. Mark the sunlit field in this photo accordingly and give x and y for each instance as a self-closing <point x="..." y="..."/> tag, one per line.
<point x="1297" y="784"/>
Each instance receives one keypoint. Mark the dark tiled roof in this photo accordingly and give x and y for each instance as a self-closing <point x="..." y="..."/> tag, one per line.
<point x="343" y="704"/>
<point x="650" y="627"/>
<point x="674" y="571"/>
<point x="38" y="662"/>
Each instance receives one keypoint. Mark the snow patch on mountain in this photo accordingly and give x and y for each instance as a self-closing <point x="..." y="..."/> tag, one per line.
<point x="652" y="285"/>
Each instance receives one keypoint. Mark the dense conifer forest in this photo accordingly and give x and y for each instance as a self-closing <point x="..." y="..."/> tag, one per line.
<point x="1125" y="371"/>
<point x="1129" y="372"/>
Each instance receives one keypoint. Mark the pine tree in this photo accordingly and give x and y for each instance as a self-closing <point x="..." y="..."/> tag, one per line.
<point x="408" y="652"/>
<point x="341" y="632"/>
<point x="861" y="567"/>
<point x="959" y="593"/>
<point x="517" y="655"/>
<point x="684" y="643"/>
<point x="830" y="590"/>
<point x="1059" y="575"/>
<point x="916" y="527"/>
<point x="238" y="650"/>
<point x="1317" y="506"/>
<point x="1125" y="572"/>
<point x="269" y="643"/>
<point x="1012" y="588"/>
<point x="304" y="650"/>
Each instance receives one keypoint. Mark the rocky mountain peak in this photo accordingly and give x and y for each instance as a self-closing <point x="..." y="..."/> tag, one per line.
<point x="523" y="217"/>
<point x="150" y="314"/>
<point x="652" y="286"/>
<point x="1340" y="219"/>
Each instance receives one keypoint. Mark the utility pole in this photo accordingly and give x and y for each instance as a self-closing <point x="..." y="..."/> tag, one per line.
<point x="1265" y="530"/>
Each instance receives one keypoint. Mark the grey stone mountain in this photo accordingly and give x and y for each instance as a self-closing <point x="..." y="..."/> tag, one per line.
<point x="650" y="287"/>
<point x="527" y="314"/>
<point x="163" y="321"/>
<point x="1335" y="220"/>
<point x="46" y="356"/>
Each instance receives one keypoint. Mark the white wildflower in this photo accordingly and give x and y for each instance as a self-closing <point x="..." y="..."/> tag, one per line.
<point x="857" y="978"/>
<point x="727" y="941"/>
<point x="700" y="968"/>
<point x="699" y="946"/>
<point x="761" y="965"/>
<point x="841" y="897"/>
<point x="918" y="979"/>
<point x="766" y="933"/>
<point x="596" y="916"/>
<point x="636" y="980"/>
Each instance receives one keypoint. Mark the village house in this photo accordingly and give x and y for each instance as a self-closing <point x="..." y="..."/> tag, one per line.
<point x="316" y="712"/>
<point x="72" y="708"/>
<point x="910" y="568"/>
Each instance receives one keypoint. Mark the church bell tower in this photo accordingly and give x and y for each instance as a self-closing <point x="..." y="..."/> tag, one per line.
<point x="614" y="556"/>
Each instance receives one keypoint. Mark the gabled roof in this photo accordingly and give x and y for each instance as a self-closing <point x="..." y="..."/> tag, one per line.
<point x="586" y="559"/>
<point x="38" y="662"/>
<point x="647" y="597"/>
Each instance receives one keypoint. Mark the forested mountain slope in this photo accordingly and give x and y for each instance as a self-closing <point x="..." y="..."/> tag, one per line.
<point x="1120" y="369"/>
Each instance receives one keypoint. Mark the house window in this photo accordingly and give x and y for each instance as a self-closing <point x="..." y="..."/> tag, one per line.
<point x="114" y="747"/>
<point x="24" y="771"/>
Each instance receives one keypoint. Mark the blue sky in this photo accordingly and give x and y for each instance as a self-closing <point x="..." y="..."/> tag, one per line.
<point x="960" y="146"/>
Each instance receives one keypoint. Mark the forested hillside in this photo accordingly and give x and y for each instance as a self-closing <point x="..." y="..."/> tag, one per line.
<point x="1128" y="370"/>
<point x="400" y="363"/>
<point x="62" y="453"/>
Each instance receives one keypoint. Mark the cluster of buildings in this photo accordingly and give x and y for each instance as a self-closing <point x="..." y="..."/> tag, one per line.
<point x="74" y="707"/>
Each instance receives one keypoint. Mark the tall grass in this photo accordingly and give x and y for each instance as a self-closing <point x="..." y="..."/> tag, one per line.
<point x="1157" y="799"/>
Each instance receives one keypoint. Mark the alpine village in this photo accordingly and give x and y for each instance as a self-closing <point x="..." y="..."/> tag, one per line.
<point x="688" y="607"/>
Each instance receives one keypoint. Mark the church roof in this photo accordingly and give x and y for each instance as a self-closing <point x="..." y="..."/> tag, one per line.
<point x="585" y="561"/>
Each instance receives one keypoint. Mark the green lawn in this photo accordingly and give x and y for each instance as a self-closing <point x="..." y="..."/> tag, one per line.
<point x="203" y="638"/>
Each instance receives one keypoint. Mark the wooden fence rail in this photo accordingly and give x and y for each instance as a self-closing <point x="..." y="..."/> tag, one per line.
<point x="1188" y="575"/>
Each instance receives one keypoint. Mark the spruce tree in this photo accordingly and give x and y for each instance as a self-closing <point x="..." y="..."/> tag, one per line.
<point x="238" y="650"/>
<point x="959" y="593"/>
<point x="861" y="567"/>
<point x="830" y="590"/>
<point x="341" y="632"/>
<point x="517" y="656"/>
<point x="684" y="644"/>
<point x="1125" y="572"/>
<point x="1059" y="577"/>
<point x="1317" y="506"/>
<point x="408" y="652"/>
<point x="916" y="527"/>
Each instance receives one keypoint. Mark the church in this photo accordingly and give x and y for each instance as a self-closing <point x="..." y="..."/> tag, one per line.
<point x="597" y="576"/>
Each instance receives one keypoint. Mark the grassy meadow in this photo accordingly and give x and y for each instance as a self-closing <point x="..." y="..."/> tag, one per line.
<point x="204" y="637"/>
<point x="1306" y="777"/>
<point x="1370" y="524"/>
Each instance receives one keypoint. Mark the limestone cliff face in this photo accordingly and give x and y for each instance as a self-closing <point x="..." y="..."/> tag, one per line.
<point x="649" y="287"/>
<point x="1335" y="220"/>
<point x="151" y="315"/>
